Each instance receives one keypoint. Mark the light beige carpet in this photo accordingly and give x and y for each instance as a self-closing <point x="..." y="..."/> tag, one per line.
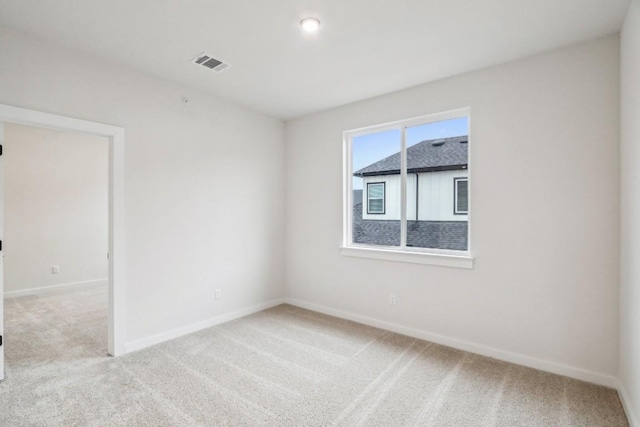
<point x="282" y="367"/>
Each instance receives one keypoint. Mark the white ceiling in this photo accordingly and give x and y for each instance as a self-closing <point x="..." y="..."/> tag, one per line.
<point x="363" y="49"/>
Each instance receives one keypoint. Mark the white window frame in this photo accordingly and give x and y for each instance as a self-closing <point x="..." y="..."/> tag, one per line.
<point x="384" y="198"/>
<point x="402" y="253"/>
<point x="456" y="181"/>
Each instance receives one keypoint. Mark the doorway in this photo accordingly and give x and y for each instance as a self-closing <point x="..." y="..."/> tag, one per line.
<point x="55" y="247"/>
<point x="115" y="218"/>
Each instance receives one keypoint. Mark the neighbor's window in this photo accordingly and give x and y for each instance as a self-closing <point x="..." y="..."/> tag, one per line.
<point x="406" y="175"/>
<point x="375" y="198"/>
<point x="461" y="197"/>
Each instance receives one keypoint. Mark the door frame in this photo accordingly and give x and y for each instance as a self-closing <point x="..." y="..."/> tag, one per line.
<point x="116" y="240"/>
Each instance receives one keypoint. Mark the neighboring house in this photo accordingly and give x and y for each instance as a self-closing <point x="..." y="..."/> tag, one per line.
<point x="437" y="196"/>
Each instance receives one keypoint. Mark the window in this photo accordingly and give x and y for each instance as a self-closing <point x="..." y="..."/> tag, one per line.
<point x="461" y="196"/>
<point x="398" y="190"/>
<point x="375" y="198"/>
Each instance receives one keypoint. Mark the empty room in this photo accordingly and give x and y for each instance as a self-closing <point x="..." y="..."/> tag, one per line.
<point x="288" y="213"/>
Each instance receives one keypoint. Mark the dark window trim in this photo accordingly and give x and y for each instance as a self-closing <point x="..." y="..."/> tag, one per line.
<point x="455" y="195"/>
<point x="384" y="198"/>
<point x="417" y="195"/>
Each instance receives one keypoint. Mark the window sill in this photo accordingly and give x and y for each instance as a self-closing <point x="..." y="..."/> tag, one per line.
<point x="428" y="258"/>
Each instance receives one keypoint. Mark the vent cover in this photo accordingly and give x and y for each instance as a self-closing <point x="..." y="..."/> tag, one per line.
<point x="210" y="62"/>
<point x="438" y="142"/>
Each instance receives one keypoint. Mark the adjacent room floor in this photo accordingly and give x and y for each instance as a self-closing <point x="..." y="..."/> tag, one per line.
<point x="49" y="334"/>
<point x="283" y="366"/>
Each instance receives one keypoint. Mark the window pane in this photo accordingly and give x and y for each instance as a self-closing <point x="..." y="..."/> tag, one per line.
<point x="376" y="191"/>
<point x="376" y="172"/>
<point x="376" y="206"/>
<point x="462" y="196"/>
<point x="437" y="156"/>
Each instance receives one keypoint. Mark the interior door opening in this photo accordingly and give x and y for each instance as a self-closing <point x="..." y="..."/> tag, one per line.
<point x="112" y="253"/>
<point x="56" y="272"/>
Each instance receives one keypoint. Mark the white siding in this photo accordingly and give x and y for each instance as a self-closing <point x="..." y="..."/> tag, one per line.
<point x="434" y="204"/>
<point x="411" y="197"/>
<point x="436" y="196"/>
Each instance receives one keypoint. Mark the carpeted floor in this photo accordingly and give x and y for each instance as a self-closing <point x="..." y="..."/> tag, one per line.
<point x="282" y="367"/>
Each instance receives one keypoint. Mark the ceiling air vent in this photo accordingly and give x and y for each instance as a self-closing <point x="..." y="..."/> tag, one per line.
<point x="211" y="63"/>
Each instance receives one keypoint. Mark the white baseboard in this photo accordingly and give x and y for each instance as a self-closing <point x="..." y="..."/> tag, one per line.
<point x="632" y="417"/>
<point x="519" y="359"/>
<point x="194" y="327"/>
<point x="42" y="290"/>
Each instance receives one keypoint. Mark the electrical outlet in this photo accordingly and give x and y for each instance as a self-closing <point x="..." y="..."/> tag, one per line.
<point x="217" y="294"/>
<point x="392" y="299"/>
<point x="55" y="269"/>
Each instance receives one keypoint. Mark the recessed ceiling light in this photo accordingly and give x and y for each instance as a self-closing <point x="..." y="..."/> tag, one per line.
<point x="310" y="25"/>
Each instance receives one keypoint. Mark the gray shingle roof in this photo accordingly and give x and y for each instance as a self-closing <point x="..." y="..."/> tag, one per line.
<point x="422" y="234"/>
<point x="434" y="154"/>
<point x="357" y="197"/>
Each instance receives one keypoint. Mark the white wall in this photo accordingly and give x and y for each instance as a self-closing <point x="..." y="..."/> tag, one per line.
<point x="195" y="176"/>
<point x="630" y="213"/>
<point x="435" y="202"/>
<point x="544" y="226"/>
<point x="55" y="207"/>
